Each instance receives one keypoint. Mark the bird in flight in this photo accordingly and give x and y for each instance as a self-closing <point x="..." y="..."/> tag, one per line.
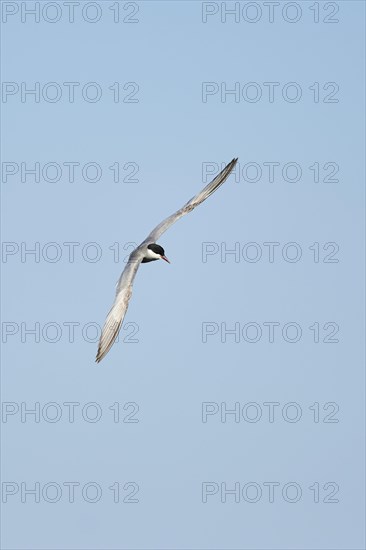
<point x="148" y="251"/>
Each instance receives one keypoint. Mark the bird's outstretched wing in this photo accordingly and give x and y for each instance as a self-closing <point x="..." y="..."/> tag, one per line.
<point x="117" y="312"/>
<point x="192" y="203"/>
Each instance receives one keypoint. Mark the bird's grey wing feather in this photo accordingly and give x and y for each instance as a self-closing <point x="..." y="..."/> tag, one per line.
<point x="118" y="310"/>
<point x="192" y="203"/>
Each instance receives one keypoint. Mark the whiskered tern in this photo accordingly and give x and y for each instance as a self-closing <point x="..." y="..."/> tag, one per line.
<point x="148" y="251"/>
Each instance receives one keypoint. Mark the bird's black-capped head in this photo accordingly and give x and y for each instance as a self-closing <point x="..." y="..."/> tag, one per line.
<point x="155" y="252"/>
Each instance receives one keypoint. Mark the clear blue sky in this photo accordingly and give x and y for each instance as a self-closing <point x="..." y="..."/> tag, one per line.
<point x="164" y="100"/>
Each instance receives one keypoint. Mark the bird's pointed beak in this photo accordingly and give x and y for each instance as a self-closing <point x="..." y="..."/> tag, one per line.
<point x="165" y="258"/>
